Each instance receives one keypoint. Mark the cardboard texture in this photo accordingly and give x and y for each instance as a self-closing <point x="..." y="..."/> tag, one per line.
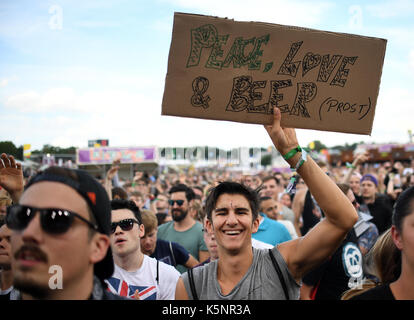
<point x="237" y="71"/>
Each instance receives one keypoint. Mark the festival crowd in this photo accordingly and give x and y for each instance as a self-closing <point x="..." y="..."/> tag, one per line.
<point x="318" y="232"/>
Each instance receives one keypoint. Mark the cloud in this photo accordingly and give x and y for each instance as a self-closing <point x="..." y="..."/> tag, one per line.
<point x="4" y="82"/>
<point x="57" y="100"/>
<point x="391" y="9"/>
<point x="411" y="58"/>
<point x="272" y="11"/>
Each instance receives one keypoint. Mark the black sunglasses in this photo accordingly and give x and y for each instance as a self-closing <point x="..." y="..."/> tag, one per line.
<point x="126" y="224"/>
<point x="52" y="220"/>
<point x="178" y="202"/>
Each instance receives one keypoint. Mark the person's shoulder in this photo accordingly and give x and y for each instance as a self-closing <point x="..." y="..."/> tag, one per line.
<point x="165" y="225"/>
<point x="381" y="292"/>
<point x="198" y="226"/>
<point x="165" y="267"/>
<point x="161" y="243"/>
<point x="381" y="198"/>
<point x="177" y="246"/>
<point x="276" y="224"/>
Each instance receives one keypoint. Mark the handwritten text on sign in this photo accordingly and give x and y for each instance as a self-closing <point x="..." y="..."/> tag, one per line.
<point x="238" y="71"/>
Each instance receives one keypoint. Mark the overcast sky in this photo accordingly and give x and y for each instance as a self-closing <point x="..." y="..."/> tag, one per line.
<point x="73" y="71"/>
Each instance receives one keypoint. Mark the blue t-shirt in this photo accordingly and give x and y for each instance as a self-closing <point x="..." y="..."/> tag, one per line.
<point x="271" y="231"/>
<point x="163" y="253"/>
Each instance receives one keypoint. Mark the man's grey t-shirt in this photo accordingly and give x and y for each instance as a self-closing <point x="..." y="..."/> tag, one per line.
<point x="261" y="281"/>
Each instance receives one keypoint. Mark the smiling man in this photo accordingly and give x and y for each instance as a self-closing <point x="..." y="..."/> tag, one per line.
<point x="245" y="273"/>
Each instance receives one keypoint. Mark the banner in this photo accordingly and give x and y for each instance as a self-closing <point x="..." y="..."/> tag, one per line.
<point x="104" y="155"/>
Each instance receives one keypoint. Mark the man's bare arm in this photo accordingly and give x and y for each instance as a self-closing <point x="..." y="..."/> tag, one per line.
<point x="180" y="292"/>
<point x="304" y="253"/>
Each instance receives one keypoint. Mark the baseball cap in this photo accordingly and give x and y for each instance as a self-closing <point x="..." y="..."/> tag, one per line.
<point x="96" y="197"/>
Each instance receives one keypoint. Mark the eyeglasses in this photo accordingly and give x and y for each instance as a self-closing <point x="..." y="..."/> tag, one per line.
<point x="178" y="202"/>
<point x="126" y="224"/>
<point x="52" y="220"/>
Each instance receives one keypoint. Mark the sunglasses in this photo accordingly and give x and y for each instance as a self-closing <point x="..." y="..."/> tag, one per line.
<point x="125" y="225"/>
<point x="52" y="220"/>
<point x="178" y="202"/>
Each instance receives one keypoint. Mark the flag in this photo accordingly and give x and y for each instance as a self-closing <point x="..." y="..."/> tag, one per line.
<point x="26" y="150"/>
<point x="122" y="288"/>
<point x="312" y="145"/>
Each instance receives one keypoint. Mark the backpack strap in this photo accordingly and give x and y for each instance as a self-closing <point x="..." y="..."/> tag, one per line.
<point x="279" y="273"/>
<point x="158" y="272"/>
<point x="192" y="286"/>
<point x="172" y="254"/>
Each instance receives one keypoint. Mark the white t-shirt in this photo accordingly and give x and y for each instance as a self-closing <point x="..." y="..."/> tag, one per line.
<point x="124" y="283"/>
<point x="260" y="244"/>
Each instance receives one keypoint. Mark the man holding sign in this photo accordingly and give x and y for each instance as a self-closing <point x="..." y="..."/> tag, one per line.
<point x="243" y="272"/>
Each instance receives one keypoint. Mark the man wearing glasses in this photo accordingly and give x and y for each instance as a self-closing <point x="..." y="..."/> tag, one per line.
<point x="136" y="275"/>
<point x="60" y="234"/>
<point x="184" y="229"/>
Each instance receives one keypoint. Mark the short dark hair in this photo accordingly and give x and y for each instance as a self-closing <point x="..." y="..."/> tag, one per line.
<point x="264" y="199"/>
<point x="189" y="193"/>
<point x="120" y="192"/>
<point x="230" y="187"/>
<point x="127" y="204"/>
<point x="268" y="178"/>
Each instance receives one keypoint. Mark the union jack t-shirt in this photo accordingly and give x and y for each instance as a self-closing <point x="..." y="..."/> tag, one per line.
<point x="125" y="283"/>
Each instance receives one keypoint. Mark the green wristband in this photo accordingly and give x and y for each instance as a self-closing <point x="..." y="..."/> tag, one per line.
<point x="292" y="152"/>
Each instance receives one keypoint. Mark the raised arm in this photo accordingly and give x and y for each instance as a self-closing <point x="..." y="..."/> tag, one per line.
<point x="359" y="159"/>
<point x="11" y="177"/>
<point x="108" y="179"/>
<point x="304" y="253"/>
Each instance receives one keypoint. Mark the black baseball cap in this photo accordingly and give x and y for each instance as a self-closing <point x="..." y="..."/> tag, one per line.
<point x="98" y="201"/>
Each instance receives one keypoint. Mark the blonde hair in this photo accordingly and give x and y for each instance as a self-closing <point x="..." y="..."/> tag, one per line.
<point x="149" y="220"/>
<point x="5" y="198"/>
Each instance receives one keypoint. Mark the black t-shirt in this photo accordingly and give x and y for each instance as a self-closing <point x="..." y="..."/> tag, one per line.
<point x="309" y="219"/>
<point x="331" y="279"/>
<point x="382" y="292"/>
<point x="381" y="212"/>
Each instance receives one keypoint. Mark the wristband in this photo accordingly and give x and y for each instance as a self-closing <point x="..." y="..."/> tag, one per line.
<point x="291" y="188"/>
<point x="350" y="165"/>
<point x="292" y="152"/>
<point x="302" y="160"/>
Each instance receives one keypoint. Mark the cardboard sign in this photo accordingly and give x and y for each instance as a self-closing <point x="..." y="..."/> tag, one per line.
<point x="238" y="71"/>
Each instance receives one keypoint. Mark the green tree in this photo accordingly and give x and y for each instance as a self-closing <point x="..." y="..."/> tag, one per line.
<point x="8" y="147"/>
<point x="266" y="160"/>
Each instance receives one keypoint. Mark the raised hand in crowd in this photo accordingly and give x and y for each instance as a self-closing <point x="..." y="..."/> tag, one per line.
<point x="11" y="177"/>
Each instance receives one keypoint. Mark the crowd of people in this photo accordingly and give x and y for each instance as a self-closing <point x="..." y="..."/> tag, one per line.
<point x="318" y="232"/>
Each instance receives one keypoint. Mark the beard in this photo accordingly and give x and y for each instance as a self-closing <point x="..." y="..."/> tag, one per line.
<point x="178" y="217"/>
<point x="36" y="290"/>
